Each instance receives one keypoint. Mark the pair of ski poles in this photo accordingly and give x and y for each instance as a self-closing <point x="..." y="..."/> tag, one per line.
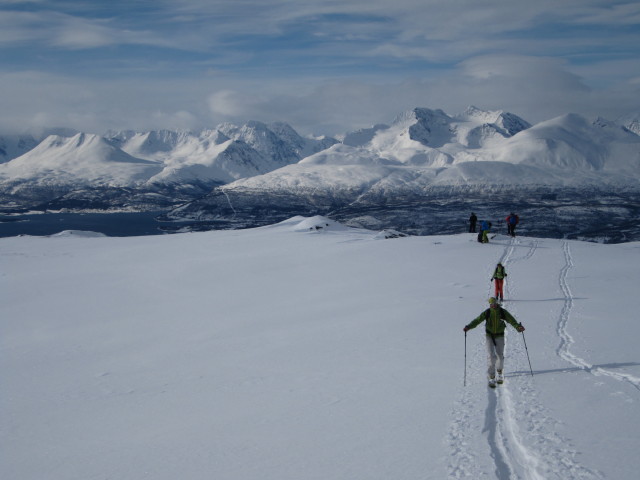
<point x="465" y="356"/>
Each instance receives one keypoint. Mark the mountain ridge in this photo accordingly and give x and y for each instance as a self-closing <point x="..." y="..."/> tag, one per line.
<point x="421" y="153"/>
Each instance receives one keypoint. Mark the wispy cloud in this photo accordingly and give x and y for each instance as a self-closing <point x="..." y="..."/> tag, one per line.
<point x="46" y="30"/>
<point x="323" y="65"/>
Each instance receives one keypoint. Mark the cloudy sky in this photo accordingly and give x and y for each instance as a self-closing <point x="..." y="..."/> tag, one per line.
<point x="323" y="66"/>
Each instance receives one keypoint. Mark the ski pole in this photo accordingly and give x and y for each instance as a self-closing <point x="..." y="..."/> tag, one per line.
<point x="527" y="350"/>
<point x="465" y="359"/>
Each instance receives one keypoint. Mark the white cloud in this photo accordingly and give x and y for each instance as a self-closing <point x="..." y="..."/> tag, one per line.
<point x="323" y="66"/>
<point x="231" y="104"/>
<point x="47" y="28"/>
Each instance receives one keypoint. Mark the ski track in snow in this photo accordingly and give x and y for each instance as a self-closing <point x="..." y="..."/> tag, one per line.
<point x="521" y="437"/>
<point x="566" y="340"/>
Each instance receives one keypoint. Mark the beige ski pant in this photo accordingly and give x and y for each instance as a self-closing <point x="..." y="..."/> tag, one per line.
<point x="495" y="354"/>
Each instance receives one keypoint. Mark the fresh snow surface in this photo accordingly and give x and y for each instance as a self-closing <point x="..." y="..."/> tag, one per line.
<point x="312" y="351"/>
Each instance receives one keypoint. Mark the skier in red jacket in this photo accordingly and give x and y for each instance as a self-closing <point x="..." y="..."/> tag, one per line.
<point x="512" y="220"/>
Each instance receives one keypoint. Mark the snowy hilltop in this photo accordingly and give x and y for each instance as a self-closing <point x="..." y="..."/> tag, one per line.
<point x="309" y="349"/>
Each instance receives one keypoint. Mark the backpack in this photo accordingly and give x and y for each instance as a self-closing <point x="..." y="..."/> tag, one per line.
<point x="487" y="314"/>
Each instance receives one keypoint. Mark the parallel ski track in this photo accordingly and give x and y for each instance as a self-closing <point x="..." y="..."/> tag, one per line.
<point x="522" y="461"/>
<point x="566" y="340"/>
<point x="522" y="438"/>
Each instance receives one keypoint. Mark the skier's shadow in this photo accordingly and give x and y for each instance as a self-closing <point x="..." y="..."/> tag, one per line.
<point x="608" y="366"/>
<point x="563" y="299"/>
<point x="502" y="471"/>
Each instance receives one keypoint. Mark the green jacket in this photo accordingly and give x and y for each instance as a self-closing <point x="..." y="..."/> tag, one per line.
<point x="499" y="273"/>
<point x="495" y="318"/>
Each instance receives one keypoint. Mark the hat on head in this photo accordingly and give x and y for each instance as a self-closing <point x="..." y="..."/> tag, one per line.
<point x="492" y="300"/>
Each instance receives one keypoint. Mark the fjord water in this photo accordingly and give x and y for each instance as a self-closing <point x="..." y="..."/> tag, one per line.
<point x="110" y="224"/>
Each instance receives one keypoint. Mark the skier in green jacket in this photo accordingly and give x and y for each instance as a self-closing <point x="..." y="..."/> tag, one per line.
<point x="495" y="317"/>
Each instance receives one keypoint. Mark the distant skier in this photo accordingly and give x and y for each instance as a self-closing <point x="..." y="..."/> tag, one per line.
<point x="472" y="223"/>
<point x="498" y="277"/>
<point x="512" y="220"/>
<point x="495" y="317"/>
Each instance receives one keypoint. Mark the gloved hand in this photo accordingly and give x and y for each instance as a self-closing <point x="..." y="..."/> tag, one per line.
<point x="520" y="328"/>
<point x="465" y="329"/>
<point x="491" y="279"/>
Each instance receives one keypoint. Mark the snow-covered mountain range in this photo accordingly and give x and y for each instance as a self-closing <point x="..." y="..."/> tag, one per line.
<point x="184" y="165"/>
<point x="258" y="173"/>
<point x="424" y="148"/>
<point x="410" y="173"/>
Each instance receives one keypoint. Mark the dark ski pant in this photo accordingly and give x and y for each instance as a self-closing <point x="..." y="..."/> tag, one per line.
<point x="495" y="354"/>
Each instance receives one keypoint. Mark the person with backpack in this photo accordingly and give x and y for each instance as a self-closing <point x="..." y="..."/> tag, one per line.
<point x="499" y="274"/>
<point x="496" y="319"/>
<point x="472" y="223"/>
<point x="512" y="220"/>
<point x="483" y="235"/>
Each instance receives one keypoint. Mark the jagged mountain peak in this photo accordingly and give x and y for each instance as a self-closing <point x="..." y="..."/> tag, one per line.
<point x="420" y="115"/>
<point x="277" y="141"/>
<point x="508" y="122"/>
<point x="78" y="160"/>
<point x="473" y="113"/>
<point x="82" y="147"/>
<point x="44" y="132"/>
<point x="78" y="141"/>
<point x="631" y="122"/>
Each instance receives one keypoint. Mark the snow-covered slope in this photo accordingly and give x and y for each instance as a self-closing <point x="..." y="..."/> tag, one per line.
<point x="221" y="155"/>
<point x="309" y="350"/>
<point x="572" y="143"/>
<point x="226" y="153"/>
<point x="81" y="159"/>
<point x="425" y="148"/>
<point x="208" y="156"/>
<point x="81" y="166"/>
